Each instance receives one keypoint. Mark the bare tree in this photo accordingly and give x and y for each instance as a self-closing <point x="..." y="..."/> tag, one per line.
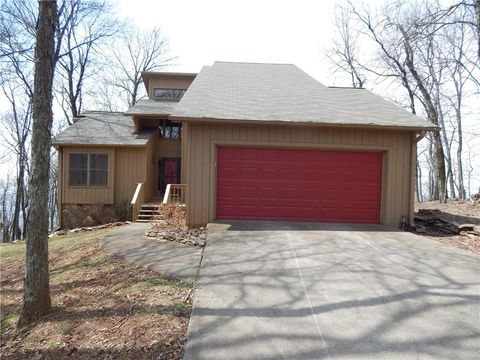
<point x="389" y="62"/>
<point x="459" y="70"/>
<point x="134" y="53"/>
<point x="395" y="31"/>
<point x="90" y="24"/>
<point x="36" y="295"/>
<point x="6" y="196"/>
<point x="15" y="136"/>
<point x="344" y="53"/>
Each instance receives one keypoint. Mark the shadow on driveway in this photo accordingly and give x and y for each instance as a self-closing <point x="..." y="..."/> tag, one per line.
<point x="318" y="291"/>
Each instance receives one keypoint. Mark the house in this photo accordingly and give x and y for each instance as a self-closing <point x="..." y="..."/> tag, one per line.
<point x="244" y="141"/>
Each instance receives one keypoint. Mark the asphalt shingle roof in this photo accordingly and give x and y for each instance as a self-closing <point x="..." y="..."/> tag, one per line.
<point x="102" y="128"/>
<point x="148" y="107"/>
<point x="284" y="93"/>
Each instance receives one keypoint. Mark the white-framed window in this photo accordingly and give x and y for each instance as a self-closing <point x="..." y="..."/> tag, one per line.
<point x="88" y="169"/>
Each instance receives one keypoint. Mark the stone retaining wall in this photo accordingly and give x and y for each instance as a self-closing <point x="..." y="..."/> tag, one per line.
<point x="74" y="216"/>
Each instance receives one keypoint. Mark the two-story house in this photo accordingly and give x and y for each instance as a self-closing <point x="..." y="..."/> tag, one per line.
<point x="243" y="141"/>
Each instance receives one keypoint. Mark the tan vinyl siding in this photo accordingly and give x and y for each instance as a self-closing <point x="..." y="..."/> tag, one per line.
<point x="127" y="166"/>
<point x="200" y="152"/>
<point x="169" y="148"/>
<point x="88" y="194"/>
<point x="171" y="82"/>
<point x="183" y="172"/>
<point x="129" y="170"/>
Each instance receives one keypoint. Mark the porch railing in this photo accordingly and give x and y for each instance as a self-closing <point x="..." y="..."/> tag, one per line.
<point x="175" y="194"/>
<point x="137" y="200"/>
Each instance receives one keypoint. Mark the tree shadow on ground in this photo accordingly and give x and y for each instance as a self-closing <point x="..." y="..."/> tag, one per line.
<point x="284" y="293"/>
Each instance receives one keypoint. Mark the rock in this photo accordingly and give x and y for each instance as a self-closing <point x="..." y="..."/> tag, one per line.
<point x="151" y="233"/>
<point x="88" y="221"/>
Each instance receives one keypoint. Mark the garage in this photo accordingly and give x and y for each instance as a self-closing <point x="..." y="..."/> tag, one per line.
<point x="298" y="185"/>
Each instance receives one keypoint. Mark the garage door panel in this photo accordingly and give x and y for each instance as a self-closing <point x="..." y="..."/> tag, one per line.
<point x="289" y="184"/>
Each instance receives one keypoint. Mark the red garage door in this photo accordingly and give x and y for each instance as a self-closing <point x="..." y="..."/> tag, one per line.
<point x="300" y="185"/>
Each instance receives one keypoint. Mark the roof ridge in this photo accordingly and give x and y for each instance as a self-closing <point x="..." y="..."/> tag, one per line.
<point x="346" y="87"/>
<point x="248" y="62"/>
<point x="100" y="112"/>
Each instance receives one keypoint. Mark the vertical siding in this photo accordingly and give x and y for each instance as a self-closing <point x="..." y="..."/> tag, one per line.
<point x="87" y="194"/>
<point x="60" y="186"/>
<point x="170" y="82"/>
<point x="169" y="148"/>
<point x="199" y="160"/>
<point x="183" y="171"/>
<point x="129" y="170"/>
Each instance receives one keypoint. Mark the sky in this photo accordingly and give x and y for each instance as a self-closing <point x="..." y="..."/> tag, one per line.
<point x="201" y="32"/>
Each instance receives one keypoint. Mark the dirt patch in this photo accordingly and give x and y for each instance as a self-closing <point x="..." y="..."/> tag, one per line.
<point x="456" y="211"/>
<point x="104" y="308"/>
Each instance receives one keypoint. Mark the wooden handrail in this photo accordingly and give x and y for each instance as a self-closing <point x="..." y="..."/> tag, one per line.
<point x="137" y="200"/>
<point x="175" y="193"/>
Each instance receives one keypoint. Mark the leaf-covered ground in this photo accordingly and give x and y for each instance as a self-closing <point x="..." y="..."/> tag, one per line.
<point x="104" y="308"/>
<point x="462" y="212"/>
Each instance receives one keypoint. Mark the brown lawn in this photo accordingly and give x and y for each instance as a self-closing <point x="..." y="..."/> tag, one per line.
<point x="104" y="308"/>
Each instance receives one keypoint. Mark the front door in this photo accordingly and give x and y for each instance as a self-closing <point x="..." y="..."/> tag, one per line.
<point x="168" y="172"/>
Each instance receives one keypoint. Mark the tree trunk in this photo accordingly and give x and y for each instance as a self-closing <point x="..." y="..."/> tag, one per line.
<point x="461" y="184"/>
<point x="36" y="292"/>
<point x="418" y="176"/>
<point x="432" y="115"/>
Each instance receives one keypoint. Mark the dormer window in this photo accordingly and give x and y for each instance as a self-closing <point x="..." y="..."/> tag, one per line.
<point x="170" y="94"/>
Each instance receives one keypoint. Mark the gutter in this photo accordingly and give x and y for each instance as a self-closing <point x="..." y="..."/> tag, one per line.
<point x="302" y="123"/>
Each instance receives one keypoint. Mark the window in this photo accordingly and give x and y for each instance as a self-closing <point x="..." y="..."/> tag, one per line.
<point x="170" y="130"/>
<point x="98" y="169"/>
<point x="168" y="93"/>
<point x="78" y="169"/>
<point x="88" y="170"/>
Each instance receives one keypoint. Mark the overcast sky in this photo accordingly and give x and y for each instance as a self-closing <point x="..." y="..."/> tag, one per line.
<point x="201" y="32"/>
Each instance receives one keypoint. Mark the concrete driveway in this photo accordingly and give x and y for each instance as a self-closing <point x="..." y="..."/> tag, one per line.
<point x="316" y="291"/>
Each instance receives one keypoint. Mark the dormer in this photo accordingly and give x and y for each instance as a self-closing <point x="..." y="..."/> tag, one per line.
<point x="167" y="85"/>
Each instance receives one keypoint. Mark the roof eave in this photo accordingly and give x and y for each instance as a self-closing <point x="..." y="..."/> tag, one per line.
<point x="302" y="123"/>
<point x="58" y="144"/>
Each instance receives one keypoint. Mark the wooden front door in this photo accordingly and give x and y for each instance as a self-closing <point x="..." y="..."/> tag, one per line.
<point x="168" y="172"/>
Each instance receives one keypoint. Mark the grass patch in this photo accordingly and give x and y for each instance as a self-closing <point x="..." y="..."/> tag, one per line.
<point x="181" y="307"/>
<point x="16" y="251"/>
<point x="100" y="302"/>
<point x="9" y="320"/>
<point x="66" y="327"/>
